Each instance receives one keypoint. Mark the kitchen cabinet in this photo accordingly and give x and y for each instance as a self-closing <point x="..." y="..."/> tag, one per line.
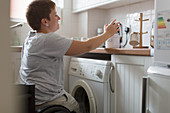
<point x="92" y="2"/>
<point x="83" y="5"/>
<point x="127" y="82"/>
<point x="96" y="3"/>
<point x="16" y="62"/>
<point x="78" y="4"/>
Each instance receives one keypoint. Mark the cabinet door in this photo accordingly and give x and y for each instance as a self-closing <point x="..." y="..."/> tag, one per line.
<point x="92" y="2"/>
<point x="129" y="71"/>
<point x="128" y="88"/>
<point x="96" y="3"/>
<point x="104" y="0"/>
<point x="107" y="0"/>
<point x="79" y="4"/>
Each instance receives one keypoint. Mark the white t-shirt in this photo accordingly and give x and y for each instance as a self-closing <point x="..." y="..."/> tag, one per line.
<point x="42" y="64"/>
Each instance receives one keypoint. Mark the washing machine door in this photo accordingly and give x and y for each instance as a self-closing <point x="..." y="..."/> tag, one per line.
<point x="82" y="92"/>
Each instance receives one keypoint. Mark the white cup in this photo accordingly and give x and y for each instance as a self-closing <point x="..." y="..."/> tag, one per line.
<point x="113" y="42"/>
<point x="134" y="39"/>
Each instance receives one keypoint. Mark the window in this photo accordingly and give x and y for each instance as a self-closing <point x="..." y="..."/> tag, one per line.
<point x="18" y="9"/>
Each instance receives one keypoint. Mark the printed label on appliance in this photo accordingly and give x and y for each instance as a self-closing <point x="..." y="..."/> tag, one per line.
<point x="163" y="41"/>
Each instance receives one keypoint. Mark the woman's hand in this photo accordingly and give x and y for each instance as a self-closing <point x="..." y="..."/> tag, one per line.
<point x="112" y="28"/>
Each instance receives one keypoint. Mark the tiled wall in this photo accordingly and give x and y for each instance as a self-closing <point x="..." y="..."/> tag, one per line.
<point x="127" y="15"/>
<point x="96" y="20"/>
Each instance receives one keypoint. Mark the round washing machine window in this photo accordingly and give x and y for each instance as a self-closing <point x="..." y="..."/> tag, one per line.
<point x="82" y="92"/>
<point x="82" y="98"/>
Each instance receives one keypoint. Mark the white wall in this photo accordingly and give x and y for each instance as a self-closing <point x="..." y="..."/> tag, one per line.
<point x="96" y="19"/>
<point x="69" y="25"/>
<point x="83" y="24"/>
<point x="89" y="21"/>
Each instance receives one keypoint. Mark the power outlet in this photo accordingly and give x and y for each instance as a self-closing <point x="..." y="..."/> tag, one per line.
<point x="127" y="30"/>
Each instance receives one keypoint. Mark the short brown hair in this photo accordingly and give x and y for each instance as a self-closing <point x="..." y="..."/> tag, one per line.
<point x="37" y="10"/>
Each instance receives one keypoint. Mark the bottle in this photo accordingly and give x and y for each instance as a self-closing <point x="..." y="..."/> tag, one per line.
<point x="15" y="40"/>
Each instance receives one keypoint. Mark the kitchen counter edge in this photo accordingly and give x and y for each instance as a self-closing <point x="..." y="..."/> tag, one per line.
<point x="119" y="51"/>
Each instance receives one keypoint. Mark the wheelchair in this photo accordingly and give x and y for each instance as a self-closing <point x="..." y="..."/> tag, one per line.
<point x="26" y="98"/>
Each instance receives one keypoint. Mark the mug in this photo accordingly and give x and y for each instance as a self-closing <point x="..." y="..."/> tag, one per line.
<point x="134" y="39"/>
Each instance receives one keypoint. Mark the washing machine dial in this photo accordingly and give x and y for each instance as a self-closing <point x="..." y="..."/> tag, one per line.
<point x="99" y="74"/>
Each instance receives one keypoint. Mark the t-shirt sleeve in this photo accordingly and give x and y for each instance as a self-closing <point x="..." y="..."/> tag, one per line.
<point x="56" y="46"/>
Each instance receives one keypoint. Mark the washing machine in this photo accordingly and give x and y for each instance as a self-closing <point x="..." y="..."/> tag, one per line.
<point x="90" y="83"/>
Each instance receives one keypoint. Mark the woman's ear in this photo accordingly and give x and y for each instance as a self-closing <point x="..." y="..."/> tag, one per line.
<point x="44" y="22"/>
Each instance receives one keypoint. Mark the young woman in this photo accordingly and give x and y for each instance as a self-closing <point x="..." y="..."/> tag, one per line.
<point x="43" y="51"/>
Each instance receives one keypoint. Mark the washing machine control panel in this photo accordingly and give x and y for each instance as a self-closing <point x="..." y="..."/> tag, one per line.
<point x="90" y="69"/>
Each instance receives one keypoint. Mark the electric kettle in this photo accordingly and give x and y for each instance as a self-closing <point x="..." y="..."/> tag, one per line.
<point x="116" y="40"/>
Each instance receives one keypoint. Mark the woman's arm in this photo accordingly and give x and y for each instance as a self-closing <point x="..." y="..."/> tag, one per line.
<point x="80" y="47"/>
